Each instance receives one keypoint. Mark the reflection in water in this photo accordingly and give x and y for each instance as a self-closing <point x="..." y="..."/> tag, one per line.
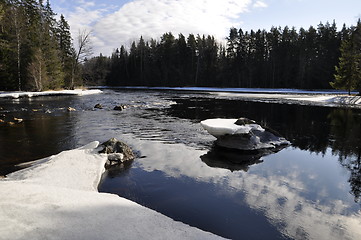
<point x="294" y="190"/>
<point x="235" y="160"/>
<point x="116" y="170"/>
<point x="34" y="139"/>
<point x="346" y="143"/>
<point x="311" y="128"/>
<point x="300" y="192"/>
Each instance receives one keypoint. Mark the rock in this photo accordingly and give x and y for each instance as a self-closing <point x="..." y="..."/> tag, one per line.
<point x="244" y="121"/>
<point x="118" y="152"/>
<point x="98" y="106"/>
<point x="18" y="120"/>
<point x="119" y="107"/>
<point x="70" y="109"/>
<point x="243" y="134"/>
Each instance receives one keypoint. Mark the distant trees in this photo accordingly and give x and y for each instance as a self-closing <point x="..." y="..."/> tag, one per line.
<point x="278" y="58"/>
<point x="35" y="48"/>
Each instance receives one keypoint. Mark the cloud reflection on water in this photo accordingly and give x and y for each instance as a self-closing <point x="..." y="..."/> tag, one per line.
<point x="283" y="197"/>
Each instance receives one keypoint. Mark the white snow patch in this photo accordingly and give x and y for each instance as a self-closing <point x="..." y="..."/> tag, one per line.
<point x="219" y="127"/>
<point x="349" y="100"/>
<point x="58" y="199"/>
<point x="79" y="92"/>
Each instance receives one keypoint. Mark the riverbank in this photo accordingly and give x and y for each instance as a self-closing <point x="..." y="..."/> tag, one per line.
<point x="79" y="92"/>
<point x="58" y="199"/>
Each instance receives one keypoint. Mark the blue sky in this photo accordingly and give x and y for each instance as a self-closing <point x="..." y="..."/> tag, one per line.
<point x="119" y="22"/>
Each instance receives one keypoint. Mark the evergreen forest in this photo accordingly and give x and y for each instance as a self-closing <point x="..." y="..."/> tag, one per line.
<point x="36" y="50"/>
<point x="37" y="53"/>
<point x="278" y="58"/>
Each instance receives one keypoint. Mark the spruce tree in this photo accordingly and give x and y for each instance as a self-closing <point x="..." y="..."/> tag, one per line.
<point x="348" y="72"/>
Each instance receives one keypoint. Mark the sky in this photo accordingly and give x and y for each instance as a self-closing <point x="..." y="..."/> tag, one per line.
<point x="120" y="22"/>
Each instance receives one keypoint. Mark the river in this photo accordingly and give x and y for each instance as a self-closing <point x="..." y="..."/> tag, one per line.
<point x="308" y="190"/>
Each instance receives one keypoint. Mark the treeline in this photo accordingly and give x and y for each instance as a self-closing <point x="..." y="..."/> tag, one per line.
<point x="36" y="50"/>
<point x="279" y="58"/>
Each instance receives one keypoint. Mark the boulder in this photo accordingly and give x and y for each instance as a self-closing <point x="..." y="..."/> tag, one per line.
<point x="243" y="134"/>
<point x="98" y="106"/>
<point x="117" y="151"/>
<point x="119" y="107"/>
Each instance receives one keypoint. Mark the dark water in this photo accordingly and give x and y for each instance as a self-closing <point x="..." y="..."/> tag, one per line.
<point x="309" y="190"/>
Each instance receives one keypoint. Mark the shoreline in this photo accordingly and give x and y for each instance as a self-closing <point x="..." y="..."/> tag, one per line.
<point x="58" y="199"/>
<point x="77" y="92"/>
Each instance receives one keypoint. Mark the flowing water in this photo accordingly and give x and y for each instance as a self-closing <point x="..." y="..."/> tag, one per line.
<point x="309" y="190"/>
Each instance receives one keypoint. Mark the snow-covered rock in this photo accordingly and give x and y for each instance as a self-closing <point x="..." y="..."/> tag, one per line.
<point x="58" y="199"/>
<point x="242" y="134"/>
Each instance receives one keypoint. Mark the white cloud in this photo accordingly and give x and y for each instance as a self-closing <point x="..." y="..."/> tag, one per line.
<point x="152" y="18"/>
<point x="260" y="4"/>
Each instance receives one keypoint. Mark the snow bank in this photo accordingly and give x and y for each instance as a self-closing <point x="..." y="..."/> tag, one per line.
<point x="349" y="100"/>
<point x="235" y="90"/>
<point x="58" y="199"/>
<point x="78" y="92"/>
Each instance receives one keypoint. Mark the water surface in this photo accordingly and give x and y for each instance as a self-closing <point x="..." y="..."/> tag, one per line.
<point x="309" y="190"/>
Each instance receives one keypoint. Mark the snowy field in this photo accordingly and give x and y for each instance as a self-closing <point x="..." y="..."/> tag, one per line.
<point x="58" y="199"/>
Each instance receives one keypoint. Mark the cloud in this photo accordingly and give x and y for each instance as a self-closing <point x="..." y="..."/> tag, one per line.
<point x="260" y="4"/>
<point x="152" y="18"/>
<point x="116" y="25"/>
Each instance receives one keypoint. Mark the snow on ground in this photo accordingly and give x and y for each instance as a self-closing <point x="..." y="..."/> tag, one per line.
<point x="353" y="100"/>
<point x="79" y="92"/>
<point x="239" y="90"/>
<point x="219" y="127"/>
<point x="58" y="199"/>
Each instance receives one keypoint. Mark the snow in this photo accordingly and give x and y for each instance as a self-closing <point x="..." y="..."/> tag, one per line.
<point x="227" y="134"/>
<point x="58" y="199"/>
<point x="237" y="90"/>
<point x="219" y="127"/>
<point x="297" y="96"/>
<point x="350" y="100"/>
<point x="79" y="92"/>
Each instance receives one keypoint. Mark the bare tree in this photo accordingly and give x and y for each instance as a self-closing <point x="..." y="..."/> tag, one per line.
<point x="84" y="50"/>
<point x="37" y="71"/>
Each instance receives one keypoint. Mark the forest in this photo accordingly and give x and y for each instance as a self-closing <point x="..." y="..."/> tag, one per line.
<point x="36" y="50"/>
<point x="37" y="53"/>
<point x="278" y="58"/>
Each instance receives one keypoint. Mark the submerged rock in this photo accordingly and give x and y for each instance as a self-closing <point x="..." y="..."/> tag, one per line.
<point x="118" y="152"/>
<point x="243" y="134"/>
